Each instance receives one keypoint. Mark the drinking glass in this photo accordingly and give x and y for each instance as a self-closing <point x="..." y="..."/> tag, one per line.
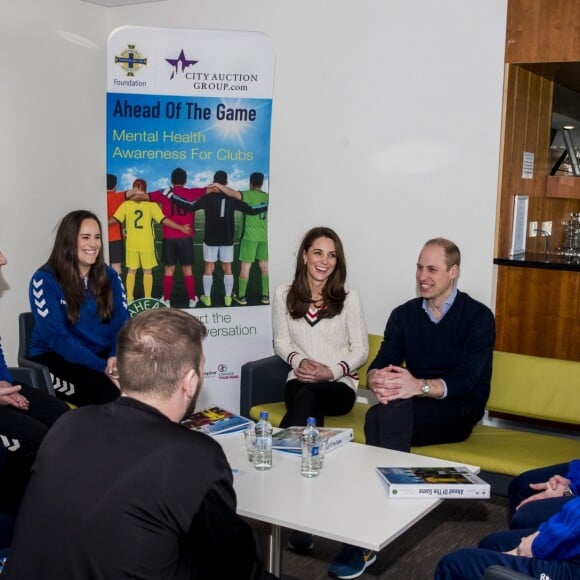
<point x="250" y="443"/>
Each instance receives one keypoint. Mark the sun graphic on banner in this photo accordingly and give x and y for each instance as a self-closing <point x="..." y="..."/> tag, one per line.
<point x="232" y="130"/>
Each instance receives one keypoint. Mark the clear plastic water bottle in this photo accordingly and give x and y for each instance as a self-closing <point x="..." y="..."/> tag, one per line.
<point x="310" y="466"/>
<point x="263" y="454"/>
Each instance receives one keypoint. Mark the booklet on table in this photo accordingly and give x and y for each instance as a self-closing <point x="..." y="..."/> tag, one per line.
<point x="288" y="440"/>
<point x="429" y="482"/>
<point x="216" y="421"/>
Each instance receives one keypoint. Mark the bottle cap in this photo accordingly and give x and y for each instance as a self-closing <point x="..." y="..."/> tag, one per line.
<point x="263" y="414"/>
<point x="311" y="421"/>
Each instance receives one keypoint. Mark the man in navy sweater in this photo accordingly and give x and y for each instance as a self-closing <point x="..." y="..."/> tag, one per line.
<point x="445" y="340"/>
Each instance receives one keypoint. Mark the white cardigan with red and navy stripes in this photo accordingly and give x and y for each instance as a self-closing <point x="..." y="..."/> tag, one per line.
<point x="341" y="342"/>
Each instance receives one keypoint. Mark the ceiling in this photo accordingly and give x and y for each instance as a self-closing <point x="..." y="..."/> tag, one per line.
<point x="111" y="3"/>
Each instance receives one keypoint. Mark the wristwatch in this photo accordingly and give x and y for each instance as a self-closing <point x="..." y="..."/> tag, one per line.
<point x="567" y="492"/>
<point x="425" y="389"/>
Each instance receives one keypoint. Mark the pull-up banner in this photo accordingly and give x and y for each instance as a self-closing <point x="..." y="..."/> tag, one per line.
<point x="188" y="124"/>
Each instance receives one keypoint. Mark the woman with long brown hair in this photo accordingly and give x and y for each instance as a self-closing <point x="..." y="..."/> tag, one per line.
<point x="79" y="305"/>
<point x="320" y="330"/>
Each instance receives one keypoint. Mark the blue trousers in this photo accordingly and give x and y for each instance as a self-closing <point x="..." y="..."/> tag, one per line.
<point x="533" y="514"/>
<point x="471" y="563"/>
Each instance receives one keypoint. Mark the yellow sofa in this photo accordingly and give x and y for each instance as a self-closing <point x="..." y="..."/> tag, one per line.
<point x="526" y="386"/>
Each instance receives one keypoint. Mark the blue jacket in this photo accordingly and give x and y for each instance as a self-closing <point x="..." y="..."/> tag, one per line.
<point x="574" y="476"/>
<point x="81" y="342"/>
<point x="559" y="537"/>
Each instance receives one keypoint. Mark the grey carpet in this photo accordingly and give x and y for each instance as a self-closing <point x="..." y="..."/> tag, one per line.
<point x="414" y="555"/>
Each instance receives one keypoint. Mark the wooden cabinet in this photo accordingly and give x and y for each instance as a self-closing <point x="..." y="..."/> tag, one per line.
<point x="537" y="309"/>
<point x="542" y="31"/>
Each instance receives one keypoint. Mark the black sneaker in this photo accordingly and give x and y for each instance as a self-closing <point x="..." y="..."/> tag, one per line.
<point x="300" y="541"/>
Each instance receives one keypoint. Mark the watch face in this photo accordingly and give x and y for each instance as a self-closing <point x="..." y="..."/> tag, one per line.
<point x="425" y="389"/>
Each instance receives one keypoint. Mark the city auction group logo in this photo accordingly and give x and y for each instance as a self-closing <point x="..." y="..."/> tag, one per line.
<point x="209" y="80"/>
<point x="131" y="60"/>
<point x="179" y="64"/>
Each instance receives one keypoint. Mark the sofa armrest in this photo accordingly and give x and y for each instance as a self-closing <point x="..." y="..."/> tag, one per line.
<point x="262" y="381"/>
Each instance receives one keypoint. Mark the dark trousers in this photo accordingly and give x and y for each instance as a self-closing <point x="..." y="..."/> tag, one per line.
<point x="78" y="384"/>
<point x="419" y="421"/>
<point x="21" y="434"/>
<point x="534" y="513"/>
<point x="472" y="562"/>
<point x="305" y="400"/>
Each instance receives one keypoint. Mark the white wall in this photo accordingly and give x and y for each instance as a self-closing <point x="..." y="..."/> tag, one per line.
<point x="52" y="134"/>
<point x="386" y="127"/>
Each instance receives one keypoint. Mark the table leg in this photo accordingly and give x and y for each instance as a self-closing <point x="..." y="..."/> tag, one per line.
<point x="275" y="550"/>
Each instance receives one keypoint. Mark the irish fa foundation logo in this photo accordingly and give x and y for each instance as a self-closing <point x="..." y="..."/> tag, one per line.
<point x="130" y="60"/>
<point x="143" y="304"/>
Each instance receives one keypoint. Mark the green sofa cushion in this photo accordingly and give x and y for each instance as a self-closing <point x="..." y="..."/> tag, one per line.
<point x="506" y="451"/>
<point x="536" y="387"/>
<point x="375" y="342"/>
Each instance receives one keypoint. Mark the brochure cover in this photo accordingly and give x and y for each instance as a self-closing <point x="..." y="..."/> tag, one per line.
<point x="288" y="440"/>
<point x="216" y="421"/>
<point x="433" y="482"/>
